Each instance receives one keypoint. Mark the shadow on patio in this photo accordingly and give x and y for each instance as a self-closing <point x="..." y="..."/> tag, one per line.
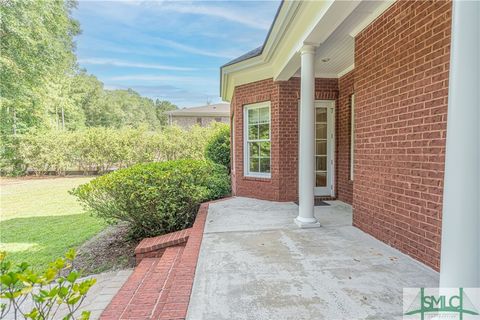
<point x="256" y="264"/>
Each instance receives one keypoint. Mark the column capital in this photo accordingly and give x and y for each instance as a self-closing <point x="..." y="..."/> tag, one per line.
<point x="308" y="49"/>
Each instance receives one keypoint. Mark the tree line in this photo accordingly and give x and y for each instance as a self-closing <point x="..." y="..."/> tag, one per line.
<point x="41" y="84"/>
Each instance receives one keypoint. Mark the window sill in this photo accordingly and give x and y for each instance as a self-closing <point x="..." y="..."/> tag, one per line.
<point x="257" y="178"/>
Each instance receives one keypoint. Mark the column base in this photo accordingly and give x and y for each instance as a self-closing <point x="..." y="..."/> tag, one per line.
<point x="306" y="224"/>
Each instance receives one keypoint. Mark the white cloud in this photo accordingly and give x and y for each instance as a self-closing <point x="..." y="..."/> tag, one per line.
<point x="219" y="12"/>
<point x="195" y="50"/>
<point x="160" y="78"/>
<point x="122" y="63"/>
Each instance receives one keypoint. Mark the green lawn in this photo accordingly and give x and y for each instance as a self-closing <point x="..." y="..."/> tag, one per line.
<point x="40" y="221"/>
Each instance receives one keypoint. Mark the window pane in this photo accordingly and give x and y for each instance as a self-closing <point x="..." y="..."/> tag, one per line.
<point x="321" y="179"/>
<point x="253" y="116"/>
<point x="321" y="114"/>
<point x="254" y="164"/>
<point x="263" y="115"/>
<point x="321" y="131"/>
<point x="264" y="131"/>
<point x="253" y="132"/>
<point x="321" y="147"/>
<point x="321" y="163"/>
<point x="257" y="122"/>
<point x="254" y="149"/>
<point x="265" y="149"/>
<point x="265" y="165"/>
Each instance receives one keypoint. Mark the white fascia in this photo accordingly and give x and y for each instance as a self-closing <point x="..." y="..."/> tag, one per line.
<point x="298" y="23"/>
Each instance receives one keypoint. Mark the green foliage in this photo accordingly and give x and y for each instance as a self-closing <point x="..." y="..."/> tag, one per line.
<point x="45" y="151"/>
<point x="58" y="286"/>
<point x="36" y="57"/>
<point x="40" y="82"/>
<point x="10" y="161"/>
<point x="161" y="108"/>
<point x="103" y="149"/>
<point x="155" y="198"/>
<point x="218" y="147"/>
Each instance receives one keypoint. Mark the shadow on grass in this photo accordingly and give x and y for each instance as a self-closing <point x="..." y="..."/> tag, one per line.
<point x="46" y="238"/>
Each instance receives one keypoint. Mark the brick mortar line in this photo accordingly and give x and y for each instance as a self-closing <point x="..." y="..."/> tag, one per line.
<point x="170" y="271"/>
<point x="135" y="292"/>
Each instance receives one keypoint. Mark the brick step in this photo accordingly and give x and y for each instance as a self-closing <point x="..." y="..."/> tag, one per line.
<point x="161" y="284"/>
<point x="145" y="293"/>
<point x="155" y="246"/>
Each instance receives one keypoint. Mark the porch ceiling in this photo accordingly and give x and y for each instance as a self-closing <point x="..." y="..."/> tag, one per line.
<point x="339" y="47"/>
<point x="330" y="25"/>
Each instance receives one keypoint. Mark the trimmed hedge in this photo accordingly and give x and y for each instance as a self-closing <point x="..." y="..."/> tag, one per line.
<point x="218" y="147"/>
<point x="100" y="149"/>
<point x="155" y="198"/>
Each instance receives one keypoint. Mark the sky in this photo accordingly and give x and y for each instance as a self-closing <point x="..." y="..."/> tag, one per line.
<point x="170" y="50"/>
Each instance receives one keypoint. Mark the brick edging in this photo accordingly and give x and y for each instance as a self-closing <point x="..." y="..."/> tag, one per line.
<point x="177" y="302"/>
<point x="160" y="286"/>
<point x="155" y="246"/>
<point x="176" y="306"/>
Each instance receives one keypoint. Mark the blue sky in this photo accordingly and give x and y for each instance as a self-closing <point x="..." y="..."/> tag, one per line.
<point x="168" y="50"/>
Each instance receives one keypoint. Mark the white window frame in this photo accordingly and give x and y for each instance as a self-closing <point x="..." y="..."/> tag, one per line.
<point x="352" y="135"/>
<point x="246" y="152"/>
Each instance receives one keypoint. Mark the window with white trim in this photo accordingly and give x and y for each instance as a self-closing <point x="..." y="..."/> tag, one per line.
<point x="257" y="139"/>
<point x="352" y="134"/>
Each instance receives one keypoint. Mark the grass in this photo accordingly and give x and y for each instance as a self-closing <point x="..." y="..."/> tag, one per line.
<point x="40" y="220"/>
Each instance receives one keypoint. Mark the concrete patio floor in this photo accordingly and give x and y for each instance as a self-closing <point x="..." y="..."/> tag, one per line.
<point x="256" y="264"/>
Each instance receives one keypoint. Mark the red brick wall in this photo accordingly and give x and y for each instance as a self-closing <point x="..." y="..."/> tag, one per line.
<point x="269" y="189"/>
<point x="401" y="86"/>
<point x="343" y="138"/>
<point x="283" y="95"/>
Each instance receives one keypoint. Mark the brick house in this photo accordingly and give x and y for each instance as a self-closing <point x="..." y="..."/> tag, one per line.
<point x="349" y="100"/>
<point x="202" y="115"/>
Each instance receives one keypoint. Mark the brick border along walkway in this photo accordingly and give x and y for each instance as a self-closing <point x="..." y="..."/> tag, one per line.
<point x="161" y="284"/>
<point x="176" y="305"/>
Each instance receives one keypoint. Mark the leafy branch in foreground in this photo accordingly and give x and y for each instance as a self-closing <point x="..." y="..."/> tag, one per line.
<point x="42" y="296"/>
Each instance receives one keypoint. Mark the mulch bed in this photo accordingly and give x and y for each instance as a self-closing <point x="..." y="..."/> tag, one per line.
<point x="109" y="250"/>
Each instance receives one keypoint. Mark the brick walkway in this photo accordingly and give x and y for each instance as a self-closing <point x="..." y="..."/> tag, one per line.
<point x="161" y="284"/>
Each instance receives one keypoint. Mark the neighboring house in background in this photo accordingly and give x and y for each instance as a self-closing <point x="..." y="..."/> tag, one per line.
<point x="202" y="116"/>
<point x="348" y="100"/>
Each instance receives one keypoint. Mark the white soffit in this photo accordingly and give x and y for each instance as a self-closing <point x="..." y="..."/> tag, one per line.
<point x="337" y="23"/>
<point x="339" y="48"/>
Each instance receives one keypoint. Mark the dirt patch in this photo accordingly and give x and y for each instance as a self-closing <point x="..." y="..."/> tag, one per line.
<point x="109" y="250"/>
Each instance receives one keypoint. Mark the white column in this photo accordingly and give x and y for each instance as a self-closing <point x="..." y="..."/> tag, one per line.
<point x="460" y="254"/>
<point x="306" y="154"/>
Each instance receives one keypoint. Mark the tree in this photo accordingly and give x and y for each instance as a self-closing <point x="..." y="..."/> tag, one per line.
<point x="86" y="92"/>
<point x="162" y="106"/>
<point x="36" y="50"/>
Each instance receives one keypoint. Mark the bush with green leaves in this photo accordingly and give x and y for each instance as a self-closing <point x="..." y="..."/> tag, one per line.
<point x="102" y="149"/>
<point x="155" y="198"/>
<point x="11" y="164"/>
<point x="45" y="151"/>
<point x="55" y="293"/>
<point x="218" y="147"/>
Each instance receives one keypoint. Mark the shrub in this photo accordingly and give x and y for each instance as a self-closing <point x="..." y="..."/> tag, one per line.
<point x="11" y="164"/>
<point x="155" y="198"/>
<point x="100" y="149"/>
<point x="218" y="147"/>
<point x="58" y="285"/>
<point x="96" y="149"/>
<point x="44" y="151"/>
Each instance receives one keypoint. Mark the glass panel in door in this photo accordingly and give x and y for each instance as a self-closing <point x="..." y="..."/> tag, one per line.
<point x="321" y="130"/>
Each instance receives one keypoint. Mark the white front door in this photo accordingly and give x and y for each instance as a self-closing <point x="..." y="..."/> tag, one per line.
<point x="324" y="147"/>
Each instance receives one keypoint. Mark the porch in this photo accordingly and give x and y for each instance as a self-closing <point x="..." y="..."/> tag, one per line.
<point x="255" y="263"/>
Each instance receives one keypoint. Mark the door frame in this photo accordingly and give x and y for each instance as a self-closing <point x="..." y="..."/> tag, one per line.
<point x="329" y="190"/>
